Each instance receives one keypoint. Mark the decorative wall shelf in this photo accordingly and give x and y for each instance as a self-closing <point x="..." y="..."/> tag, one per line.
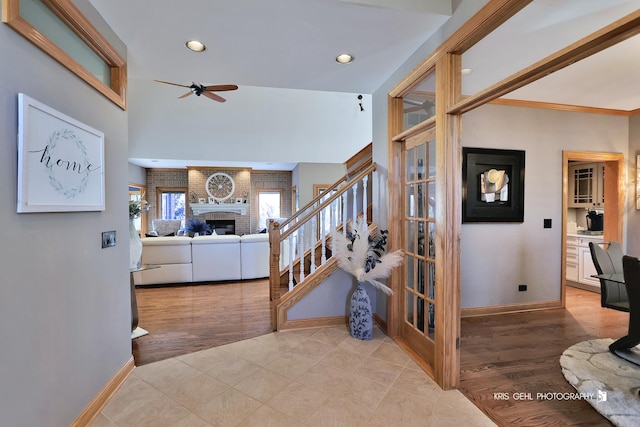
<point x="201" y="208"/>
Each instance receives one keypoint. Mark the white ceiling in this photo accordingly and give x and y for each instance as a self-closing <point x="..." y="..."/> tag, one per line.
<point x="293" y="44"/>
<point x="273" y="43"/>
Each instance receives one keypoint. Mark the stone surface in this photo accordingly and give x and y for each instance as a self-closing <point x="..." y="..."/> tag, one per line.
<point x="609" y="383"/>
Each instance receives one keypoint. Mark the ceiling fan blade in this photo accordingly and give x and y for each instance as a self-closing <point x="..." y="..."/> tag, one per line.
<point x="169" y="83"/>
<point x="185" y="95"/>
<point x="220" y="88"/>
<point x="412" y="109"/>
<point x="213" y="96"/>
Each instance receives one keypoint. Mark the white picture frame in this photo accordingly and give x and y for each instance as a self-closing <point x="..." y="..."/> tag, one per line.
<point x="60" y="161"/>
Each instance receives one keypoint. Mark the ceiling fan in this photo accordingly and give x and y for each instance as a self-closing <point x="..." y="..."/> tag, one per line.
<point x="207" y="91"/>
<point x="419" y="106"/>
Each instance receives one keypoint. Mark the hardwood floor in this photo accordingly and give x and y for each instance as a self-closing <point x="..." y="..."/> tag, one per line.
<point x="514" y="353"/>
<point x="187" y="318"/>
<point x="520" y="353"/>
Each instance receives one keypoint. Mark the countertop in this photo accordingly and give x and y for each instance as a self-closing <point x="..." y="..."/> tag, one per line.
<point x="588" y="236"/>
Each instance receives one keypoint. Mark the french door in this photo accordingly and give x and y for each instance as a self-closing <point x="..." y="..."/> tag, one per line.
<point x="419" y="298"/>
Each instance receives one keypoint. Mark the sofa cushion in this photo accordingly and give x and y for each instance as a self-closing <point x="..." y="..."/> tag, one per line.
<point x="215" y="239"/>
<point x="166" y="250"/>
<point x="167" y="273"/>
<point x="254" y="254"/>
<point x="216" y="258"/>
<point x="261" y="237"/>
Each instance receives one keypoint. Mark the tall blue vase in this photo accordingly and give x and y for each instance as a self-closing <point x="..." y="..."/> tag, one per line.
<point x="360" y="315"/>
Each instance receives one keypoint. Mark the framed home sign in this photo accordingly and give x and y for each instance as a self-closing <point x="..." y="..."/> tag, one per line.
<point x="60" y="161"/>
<point x="492" y="185"/>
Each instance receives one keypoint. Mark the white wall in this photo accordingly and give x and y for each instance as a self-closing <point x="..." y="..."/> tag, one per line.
<point x="495" y="258"/>
<point x="256" y="124"/>
<point x="64" y="302"/>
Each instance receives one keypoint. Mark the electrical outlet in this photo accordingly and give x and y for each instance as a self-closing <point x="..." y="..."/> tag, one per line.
<point x="522" y="288"/>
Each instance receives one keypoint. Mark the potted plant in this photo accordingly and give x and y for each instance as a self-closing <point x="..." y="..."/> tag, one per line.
<point x="195" y="227"/>
<point x="136" y="208"/>
<point x="363" y="254"/>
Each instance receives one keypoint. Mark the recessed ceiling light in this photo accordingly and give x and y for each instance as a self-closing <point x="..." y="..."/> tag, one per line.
<point x="465" y="71"/>
<point x="195" y="46"/>
<point x="345" y="58"/>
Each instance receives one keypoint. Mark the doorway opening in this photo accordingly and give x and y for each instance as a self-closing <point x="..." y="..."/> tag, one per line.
<point x="605" y="185"/>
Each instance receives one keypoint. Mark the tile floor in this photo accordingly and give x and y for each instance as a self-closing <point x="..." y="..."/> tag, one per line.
<point x="316" y="377"/>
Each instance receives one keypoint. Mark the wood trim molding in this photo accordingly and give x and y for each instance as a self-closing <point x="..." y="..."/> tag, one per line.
<point x="487" y="19"/>
<point x="380" y="322"/>
<point x="509" y="309"/>
<point x="93" y="409"/>
<point x="608" y="36"/>
<point x="562" y="107"/>
<point x="82" y="27"/>
<point x="314" y="322"/>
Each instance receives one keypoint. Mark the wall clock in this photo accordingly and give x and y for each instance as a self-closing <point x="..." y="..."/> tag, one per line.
<point x="220" y="186"/>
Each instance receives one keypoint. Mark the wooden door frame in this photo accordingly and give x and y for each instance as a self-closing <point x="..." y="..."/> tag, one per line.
<point x="614" y="200"/>
<point x="448" y="116"/>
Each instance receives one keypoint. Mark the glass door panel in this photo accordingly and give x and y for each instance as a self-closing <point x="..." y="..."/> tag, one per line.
<point x="419" y="225"/>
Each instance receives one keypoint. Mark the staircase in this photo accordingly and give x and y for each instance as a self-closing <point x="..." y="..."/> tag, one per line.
<point x="300" y="246"/>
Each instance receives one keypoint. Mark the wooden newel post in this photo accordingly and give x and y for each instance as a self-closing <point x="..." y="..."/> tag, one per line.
<point x="274" y="260"/>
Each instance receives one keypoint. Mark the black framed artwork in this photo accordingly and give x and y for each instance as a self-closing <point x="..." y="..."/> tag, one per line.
<point x="492" y="185"/>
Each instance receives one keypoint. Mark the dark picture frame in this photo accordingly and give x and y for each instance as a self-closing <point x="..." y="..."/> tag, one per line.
<point x="507" y="205"/>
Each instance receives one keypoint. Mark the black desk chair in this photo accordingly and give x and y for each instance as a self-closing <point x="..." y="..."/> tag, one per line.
<point x="624" y="346"/>
<point x="608" y="261"/>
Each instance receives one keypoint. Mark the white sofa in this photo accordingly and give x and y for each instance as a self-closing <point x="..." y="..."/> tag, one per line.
<point x="204" y="259"/>
<point x="254" y="253"/>
<point x="173" y="254"/>
<point x="216" y="258"/>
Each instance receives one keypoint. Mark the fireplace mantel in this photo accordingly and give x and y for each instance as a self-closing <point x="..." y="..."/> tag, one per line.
<point x="201" y="208"/>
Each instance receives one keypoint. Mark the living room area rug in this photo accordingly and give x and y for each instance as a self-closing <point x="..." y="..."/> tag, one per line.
<point x="609" y="383"/>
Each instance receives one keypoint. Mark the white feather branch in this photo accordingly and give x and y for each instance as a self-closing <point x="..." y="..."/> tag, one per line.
<point x="363" y="255"/>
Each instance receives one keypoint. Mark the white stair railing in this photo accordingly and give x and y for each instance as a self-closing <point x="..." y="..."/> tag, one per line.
<point x="302" y="242"/>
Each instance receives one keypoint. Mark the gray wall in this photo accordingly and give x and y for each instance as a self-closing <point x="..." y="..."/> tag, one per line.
<point x="308" y="174"/>
<point x="463" y="10"/>
<point x="64" y="301"/>
<point x="495" y="258"/>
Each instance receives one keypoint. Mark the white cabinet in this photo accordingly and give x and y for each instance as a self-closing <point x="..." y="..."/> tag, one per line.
<point x="586" y="185"/>
<point x="572" y="258"/>
<point x="586" y="268"/>
<point x="579" y="265"/>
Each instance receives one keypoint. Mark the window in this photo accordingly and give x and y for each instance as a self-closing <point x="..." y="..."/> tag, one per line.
<point x="171" y="203"/>
<point x="61" y="30"/>
<point x="269" y="206"/>
<point x="136" y="192"/>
